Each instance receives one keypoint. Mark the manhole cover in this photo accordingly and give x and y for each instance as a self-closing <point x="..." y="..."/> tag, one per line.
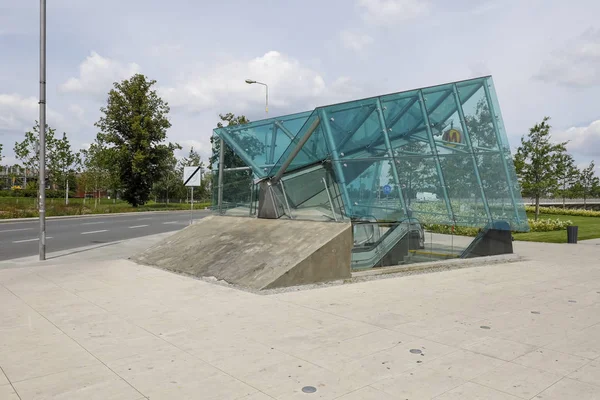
<point x="535" y="312"/>
<point x="415" y="351"/>
<point x="485" y="327"/>
<point x="309" y="389"/>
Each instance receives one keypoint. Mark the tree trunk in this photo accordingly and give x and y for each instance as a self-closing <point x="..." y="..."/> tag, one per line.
<point x="537" y="206"/>
<point x="67" y="192"/>
<point x="564" y="194"/>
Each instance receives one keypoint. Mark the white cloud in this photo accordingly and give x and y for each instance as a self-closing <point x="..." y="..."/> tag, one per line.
<point x="584" y="140"/>
<point x="291" y="85"/>
<point x="577" y="64"/>
<point x="97" y="74"/>
<point x="389" y="12"/>
<point x="355" y="41"/>
<point x="19" y="113"/>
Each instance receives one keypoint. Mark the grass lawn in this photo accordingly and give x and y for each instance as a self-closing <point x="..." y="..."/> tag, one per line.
<point x="589" y="228"/>
<point x="23" y="207"/>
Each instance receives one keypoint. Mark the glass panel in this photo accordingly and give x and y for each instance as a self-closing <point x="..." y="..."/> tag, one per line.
<point x="478" y="118"/>
<point x="313" y="151"/>
<point x="458" y="168"/>
<point x="392" y="171"/>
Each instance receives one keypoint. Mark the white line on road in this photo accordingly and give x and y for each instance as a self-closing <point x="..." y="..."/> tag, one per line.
<point x="142" y="219"/>
<point x="92" y="223"/>
<point x="89" y="233"/>
<point x="30" y="240"/>
<point x="170" y="222"/>
<point x="17" y="230"/>
<point x="138" y="226"/>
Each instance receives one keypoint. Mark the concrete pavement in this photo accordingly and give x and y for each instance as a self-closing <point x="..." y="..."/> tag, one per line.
<point x="116" y="330"/>
<point x="20" y="239"/>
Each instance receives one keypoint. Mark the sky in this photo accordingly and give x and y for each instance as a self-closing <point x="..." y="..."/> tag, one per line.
<point x="544" y="56"/>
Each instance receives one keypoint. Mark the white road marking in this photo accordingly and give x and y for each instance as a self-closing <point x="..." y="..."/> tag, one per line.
<point x="170" y="222"/>
<point x="137" y="226"/>
<point x="89" y="233"/>
<point x="17" y="230"/>
<point x="92" y="223"/>
<point x="31" y="240"/>
<point x="143" y="219"/>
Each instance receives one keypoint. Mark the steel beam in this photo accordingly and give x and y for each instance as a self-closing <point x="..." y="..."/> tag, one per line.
<point x="295" y="151"/>
<point x="221" y="167"/>
<point x="390" y="151"/>
<point x="339" y="171"/>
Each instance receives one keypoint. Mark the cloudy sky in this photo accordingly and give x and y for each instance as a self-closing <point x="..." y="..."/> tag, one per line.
<point x="544" y="56"/>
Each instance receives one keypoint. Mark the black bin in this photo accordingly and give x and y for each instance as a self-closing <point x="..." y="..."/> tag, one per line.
<point x="572" y="234"/>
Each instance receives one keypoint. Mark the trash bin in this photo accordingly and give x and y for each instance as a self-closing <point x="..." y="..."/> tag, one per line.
<point x="572" y="234"/>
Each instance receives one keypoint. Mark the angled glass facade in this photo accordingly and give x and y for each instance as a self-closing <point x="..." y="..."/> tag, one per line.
<point x="436" y="155"/>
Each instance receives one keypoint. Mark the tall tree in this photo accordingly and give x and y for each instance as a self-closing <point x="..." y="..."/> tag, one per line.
<point x="28" y="153"/>
<point x="1" y="152"/>
<point x="567" y="174"/>
<point x="237" y="184"/>
<point x="62" y="164"/>
<point x="588" y="182"/>
<point x="94" y="175"/>
<point x="536" y="162"/>
<point x="135" y="123"/>
<point x="233" y="160"/>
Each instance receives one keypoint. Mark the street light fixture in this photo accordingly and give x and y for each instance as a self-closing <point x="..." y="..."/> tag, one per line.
<point x="251" y="81"/>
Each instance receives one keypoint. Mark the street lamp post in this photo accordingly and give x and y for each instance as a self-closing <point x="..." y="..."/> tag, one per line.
<point x="42" y="146"/>
<point x="251" y="81"/>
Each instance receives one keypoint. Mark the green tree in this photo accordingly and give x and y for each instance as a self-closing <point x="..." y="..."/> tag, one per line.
<point x="237" y="184"/>
<point x="95" y="175"/>
<point x="135" y="123"/>
<point x="536" y="163"/>
<point x="567" y="174"/>
<point x="233" y="160"/>
<point x="62" y="164"/>
<point x="169" y="182"/>
<point x="27" y="151"/>
<point x="588" y="182"/>
<point x="1" y="152"/>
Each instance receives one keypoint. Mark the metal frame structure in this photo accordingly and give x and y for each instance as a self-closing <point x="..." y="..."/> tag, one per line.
<point x="360" y="144"/>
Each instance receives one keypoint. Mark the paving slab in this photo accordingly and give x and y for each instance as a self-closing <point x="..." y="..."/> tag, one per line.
<point x="78" y="326"/>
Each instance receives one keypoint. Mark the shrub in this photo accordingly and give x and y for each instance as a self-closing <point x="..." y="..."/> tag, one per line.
<point x="547" y="225"/>
<point x="564" y="211"/>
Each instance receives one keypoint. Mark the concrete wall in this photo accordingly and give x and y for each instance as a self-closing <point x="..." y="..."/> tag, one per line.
<point x="257" y="253"/>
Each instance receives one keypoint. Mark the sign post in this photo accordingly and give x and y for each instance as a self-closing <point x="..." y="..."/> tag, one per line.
<point x="192" y="176"/>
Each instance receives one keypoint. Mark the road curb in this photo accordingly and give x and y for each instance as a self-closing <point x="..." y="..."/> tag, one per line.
<point x="31" y="219"/>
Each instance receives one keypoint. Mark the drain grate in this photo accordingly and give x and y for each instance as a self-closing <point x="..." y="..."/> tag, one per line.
<point x="309" y="389"/>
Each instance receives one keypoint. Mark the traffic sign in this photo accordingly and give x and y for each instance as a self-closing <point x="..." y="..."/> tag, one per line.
<point x="387" y="189"/>
<point x="192" y="176"/>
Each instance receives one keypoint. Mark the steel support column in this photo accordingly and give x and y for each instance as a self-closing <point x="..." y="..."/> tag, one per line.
<point x="390" y="151"/>
<point x="221" y="167"/>
<point x="273" y="141"/>
<point x="295" y="151"/>
<point x="339" y="171"/>
<point x="501" y="148"/>
<point x="438" y="165"/>
<point x="463" y="123"/>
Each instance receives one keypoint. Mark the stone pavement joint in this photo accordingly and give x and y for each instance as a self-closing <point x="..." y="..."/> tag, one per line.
<point x="82" y="327"/>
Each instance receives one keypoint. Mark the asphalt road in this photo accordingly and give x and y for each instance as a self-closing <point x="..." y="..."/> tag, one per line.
<point x="20" y="239"/>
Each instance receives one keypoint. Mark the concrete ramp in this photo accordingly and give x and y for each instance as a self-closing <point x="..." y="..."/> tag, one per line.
<point x="257" y="253"/>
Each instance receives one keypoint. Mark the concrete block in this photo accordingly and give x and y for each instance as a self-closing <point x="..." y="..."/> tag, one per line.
<point x="257" y="253"/>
